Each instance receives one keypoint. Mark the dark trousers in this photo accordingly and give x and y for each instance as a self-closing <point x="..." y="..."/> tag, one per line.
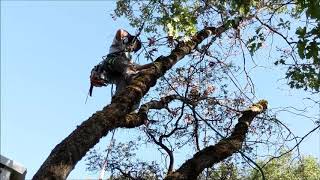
<point x="120" y="68"/>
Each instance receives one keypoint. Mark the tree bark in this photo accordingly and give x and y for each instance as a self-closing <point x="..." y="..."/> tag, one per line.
<point x="65" y="155"/>
<point x="224" y="148"/>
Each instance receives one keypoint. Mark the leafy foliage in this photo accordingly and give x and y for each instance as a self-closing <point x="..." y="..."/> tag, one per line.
<point x="288" y="168"/>
<point x="181" y="18"/>
<point x="285" y="168"/>
<point x="307" y="75"/>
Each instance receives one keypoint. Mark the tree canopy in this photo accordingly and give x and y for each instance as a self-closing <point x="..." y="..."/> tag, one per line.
<point x="196" y="48"/>
<point x="294" y="22"/>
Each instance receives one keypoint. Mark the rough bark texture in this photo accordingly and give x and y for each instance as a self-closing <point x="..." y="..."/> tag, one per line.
<point x="223" y="149"/>
<point x="65" y="155"/>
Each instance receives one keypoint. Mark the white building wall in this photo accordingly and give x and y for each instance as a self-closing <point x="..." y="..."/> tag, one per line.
<point x="11" y="170"/>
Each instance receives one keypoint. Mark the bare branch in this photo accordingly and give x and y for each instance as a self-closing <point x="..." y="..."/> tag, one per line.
<point x="295" y="146"/>
<point x="223" y="149"/>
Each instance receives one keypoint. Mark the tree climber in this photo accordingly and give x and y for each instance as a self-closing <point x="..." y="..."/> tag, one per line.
<point x="117" y="67"/>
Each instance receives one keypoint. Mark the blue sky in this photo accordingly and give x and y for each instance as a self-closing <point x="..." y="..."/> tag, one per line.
<point x="47" y="51"/>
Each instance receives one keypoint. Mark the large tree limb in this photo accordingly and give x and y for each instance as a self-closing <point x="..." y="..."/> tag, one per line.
<point x="65" y="155"/>
<point x="223" y="149"/>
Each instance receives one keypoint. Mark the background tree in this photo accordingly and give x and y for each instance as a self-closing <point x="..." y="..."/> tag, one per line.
<point x="288" y="167"/>
<point x="198" y="107"/>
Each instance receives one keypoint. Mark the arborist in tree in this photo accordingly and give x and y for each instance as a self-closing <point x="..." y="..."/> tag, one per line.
<point x="117" y="67"/>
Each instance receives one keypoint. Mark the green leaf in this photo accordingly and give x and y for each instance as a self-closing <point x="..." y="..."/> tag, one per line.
<point x="301" y="32"/>
<point x="301" y="49"/>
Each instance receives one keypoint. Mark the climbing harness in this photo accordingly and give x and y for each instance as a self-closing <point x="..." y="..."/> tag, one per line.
<point x="101" y="73"/>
